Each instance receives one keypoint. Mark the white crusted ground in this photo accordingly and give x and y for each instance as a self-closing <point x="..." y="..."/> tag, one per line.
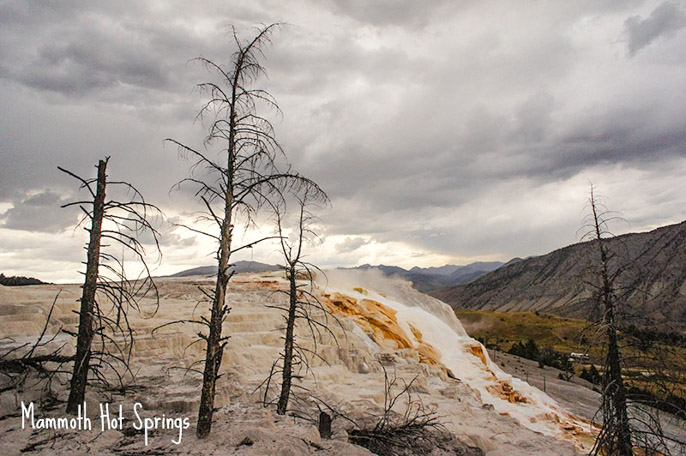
<point x="352" y="381"/>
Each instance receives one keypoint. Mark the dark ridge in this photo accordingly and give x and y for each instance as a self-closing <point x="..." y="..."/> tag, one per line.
<point x="18" y="281"/>
<point x="238" y="267"/>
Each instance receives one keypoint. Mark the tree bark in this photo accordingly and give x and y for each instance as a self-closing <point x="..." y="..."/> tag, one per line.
<point x="614" y="389"/>
<point x="282" y="405"/>
<point x="324" y="425"/>
<point x="215" y="344"/>
<point x="84" y="340"/>
<point x="615" y="384"/>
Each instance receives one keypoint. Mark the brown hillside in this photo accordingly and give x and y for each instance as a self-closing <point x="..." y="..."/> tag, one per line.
<point x="653" y="265"/>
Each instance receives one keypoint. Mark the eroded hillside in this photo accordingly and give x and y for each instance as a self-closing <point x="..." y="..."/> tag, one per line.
<point x="653" y="267"/>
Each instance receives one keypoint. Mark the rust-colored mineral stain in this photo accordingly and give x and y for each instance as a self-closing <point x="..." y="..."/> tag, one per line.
<point x="372" y="305"/>
<point x="478" y="351"/>
<point x="570" y="429"/>
<point x="416" y="333"/>
<point x="427" y="352"/>
<point x="373" y="317"/>
<point x="504" y="390"/>
<point x="381" y="323"/>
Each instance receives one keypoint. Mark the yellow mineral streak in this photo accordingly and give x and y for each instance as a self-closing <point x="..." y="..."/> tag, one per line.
<point x="478" y="351"/>
<point x="381" y="323"/>
<point x="373" y="317"/>
<point x="427" y="352"/>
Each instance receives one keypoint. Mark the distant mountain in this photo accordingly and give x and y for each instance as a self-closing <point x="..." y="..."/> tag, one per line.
<point x="654" y="265"/>
<point x="423" y="279"/>
<point x="239" y="266"/>
<point x="387" y="270"/>
<point x="513" y="261"/>
<point x="472" y="271"/>
<point x="442" y="270"/>
<point x="433" y="278"/>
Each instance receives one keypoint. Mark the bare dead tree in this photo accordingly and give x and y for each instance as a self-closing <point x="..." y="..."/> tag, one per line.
<point x="237" y="184"/>
<point x="615" y="436"/>
<point x="106" y="289"/>
<point x="303" y="304"/>
<point x="38" y="360"/>
<point x="631" y="418"/>
<point x="414" y="430"/>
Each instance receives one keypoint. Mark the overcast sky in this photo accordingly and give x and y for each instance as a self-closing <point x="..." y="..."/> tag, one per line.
<point x="443" y="131"/>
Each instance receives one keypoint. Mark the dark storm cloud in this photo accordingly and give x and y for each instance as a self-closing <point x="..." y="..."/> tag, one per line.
<point x="431" y="124"/>
<point x="76" y="67"/>
<point x="39" y="213"/>
<point x="87" y="51"/>
<point x="664" y="21"/>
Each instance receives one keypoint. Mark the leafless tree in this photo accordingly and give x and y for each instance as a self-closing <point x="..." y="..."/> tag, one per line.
<point x="39" y="360"/>
<point x="416" y="429"/>
<point x="631" y="416"/>
<point x="236" y="185"/>
<point x="303" y="304"/>
<point x="105" y="338"/>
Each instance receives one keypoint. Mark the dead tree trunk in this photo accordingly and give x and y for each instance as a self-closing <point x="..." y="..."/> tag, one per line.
<point x="288" y="343"/>
<point x="615" y="388"/>
<point x="215" y="341"/>
<point x="84" y="340"/>
<point x="238" y="186"/>
<point x="302" y="302"/>
<point x="104" y="340"/>
<point x="617" y="429"/>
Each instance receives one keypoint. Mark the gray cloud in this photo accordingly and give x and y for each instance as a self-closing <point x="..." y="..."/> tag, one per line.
<point x="93" y="54"/>
<point x="433" y="126"/>
<point x="350" y="244"/>
<point x="664" y="21"/>
<point x="391" y="12"/>
<point x="39" y="213"/>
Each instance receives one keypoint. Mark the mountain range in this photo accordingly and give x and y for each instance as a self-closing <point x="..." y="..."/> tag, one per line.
<point x="238" y="267"/>
<point x="433" y="278"/>
<point x="653" y="275"/>
<point x="652" y="265"/>
<point x="423" y="279"/>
